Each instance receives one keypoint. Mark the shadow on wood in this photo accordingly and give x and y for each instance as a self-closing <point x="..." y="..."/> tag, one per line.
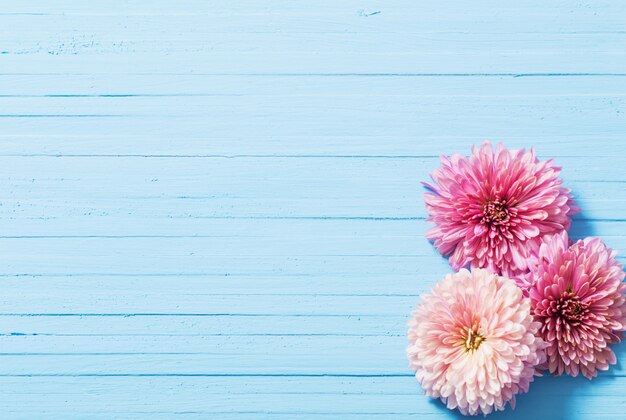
<point x="581" y="227"/>
<point x="558" y="397"/>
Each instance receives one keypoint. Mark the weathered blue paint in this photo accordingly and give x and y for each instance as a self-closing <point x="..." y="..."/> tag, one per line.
<point x="214" y="208"/>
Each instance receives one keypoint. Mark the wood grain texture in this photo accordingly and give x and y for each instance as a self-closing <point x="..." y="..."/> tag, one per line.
<point x="213" y="209"/>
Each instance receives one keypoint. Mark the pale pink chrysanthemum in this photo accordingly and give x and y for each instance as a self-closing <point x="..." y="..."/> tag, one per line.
<point x="492" y="210"/>
<point x="578" y="297"/>
<point x="473" y="342"/>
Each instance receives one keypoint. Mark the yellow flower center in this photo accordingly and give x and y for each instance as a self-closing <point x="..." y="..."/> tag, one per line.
<point x="473" y="340"/>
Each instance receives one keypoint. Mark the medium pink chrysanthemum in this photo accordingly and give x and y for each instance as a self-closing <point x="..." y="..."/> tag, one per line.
<point x="473" y="342"/>
<point x="578" y="297"/>
<point x="491" y="210"/>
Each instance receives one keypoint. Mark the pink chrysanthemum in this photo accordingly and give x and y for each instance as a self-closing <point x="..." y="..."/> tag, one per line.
<point x="473" y="342"/>
<point x="492" y="210"/>
<point x="578" y="297"/>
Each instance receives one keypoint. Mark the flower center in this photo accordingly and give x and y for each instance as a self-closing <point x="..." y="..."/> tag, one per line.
<point x="570" y="308"/>
<point x="473" y="340"/>
<point x="495" y="212"/>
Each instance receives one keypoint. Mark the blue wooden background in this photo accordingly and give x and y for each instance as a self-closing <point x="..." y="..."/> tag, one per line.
<point x="214" y="208"/>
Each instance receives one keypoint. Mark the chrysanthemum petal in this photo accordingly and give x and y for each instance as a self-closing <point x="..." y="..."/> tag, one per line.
<point x="493" y="209"/>
<point x="578" y="297"/>
<point x="473" y="342"/>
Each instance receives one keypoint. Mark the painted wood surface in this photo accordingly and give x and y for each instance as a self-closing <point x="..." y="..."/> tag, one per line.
<point x="213" y="209"/>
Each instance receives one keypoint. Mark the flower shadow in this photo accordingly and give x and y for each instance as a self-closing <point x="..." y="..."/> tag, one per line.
<point x="549" y="397"/>
<point x="560" y="397"/>
<point x="581" y="227"/>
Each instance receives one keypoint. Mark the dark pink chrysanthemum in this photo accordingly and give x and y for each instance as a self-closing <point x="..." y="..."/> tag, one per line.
<point x="473" y="342"/>
<point x="578" y="297"/>
<point x="492" y="210"/>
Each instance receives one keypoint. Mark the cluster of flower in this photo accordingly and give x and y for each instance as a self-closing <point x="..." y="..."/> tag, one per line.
<point x="531" y="300"/>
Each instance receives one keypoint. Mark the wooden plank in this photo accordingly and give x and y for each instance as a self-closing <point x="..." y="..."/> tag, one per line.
<point x="287" y="397"/>
<point x="193" y="174"/>
<point x="296" y="120"/>
<point x="530" y="63"/>
<point x="397" y="15"/>
<point x="46" y="215"/>
<point x="115" y="87"/>
<point x="75" y="39"/>
<point x="201" y="326"/>
<point x="408" y="230"/>
<point x="219" y="187"/>
<point x="213" y="108"/>
<point x="48" y="137"/>
<point x="214" y="355"/>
